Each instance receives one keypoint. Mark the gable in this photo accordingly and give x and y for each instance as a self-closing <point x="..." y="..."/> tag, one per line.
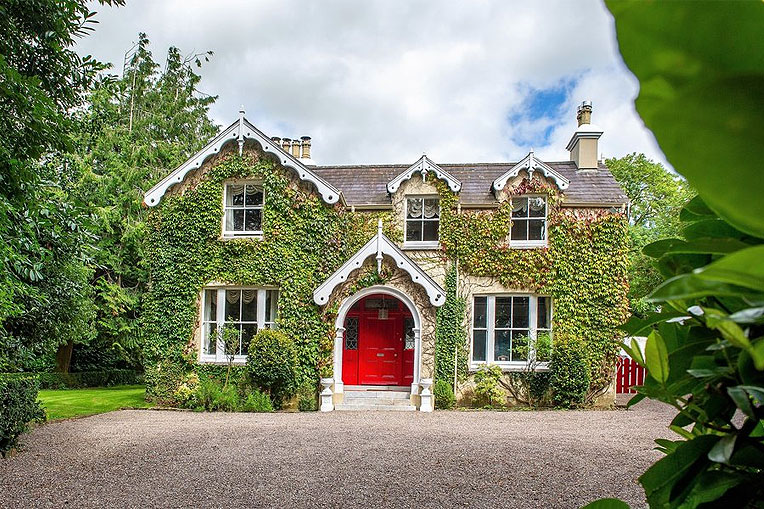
<point x="424" y="166"/>
<point x="241" y="131"/>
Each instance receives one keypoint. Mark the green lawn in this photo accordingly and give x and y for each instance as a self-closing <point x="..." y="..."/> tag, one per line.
<point x="65" y="403"/>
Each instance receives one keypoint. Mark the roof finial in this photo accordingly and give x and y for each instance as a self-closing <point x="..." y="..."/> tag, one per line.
<point x="241" y="129"/>
<point x="379" y="245"/>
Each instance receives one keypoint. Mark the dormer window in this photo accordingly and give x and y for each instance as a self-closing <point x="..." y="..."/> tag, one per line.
<point x="422" y="222"/>
<point x="529" y="222"/>
<point x="243" y="210"/>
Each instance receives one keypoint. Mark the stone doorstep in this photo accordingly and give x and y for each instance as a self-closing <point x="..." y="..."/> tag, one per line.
<point x="365" y="395"/>
<point x="343" y="407"/>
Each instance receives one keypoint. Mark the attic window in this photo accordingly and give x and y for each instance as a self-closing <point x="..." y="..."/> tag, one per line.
<point x="529" y="222"/>
<point x="243" y="208"/>
<point x="422" y="222"/>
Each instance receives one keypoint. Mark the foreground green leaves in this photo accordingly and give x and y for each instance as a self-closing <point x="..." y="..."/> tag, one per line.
<point x="701" y="73"/>
<point x="702" y="59"/>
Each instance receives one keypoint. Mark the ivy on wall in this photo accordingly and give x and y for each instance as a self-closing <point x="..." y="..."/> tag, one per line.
<point x="583" y="268"/>
<point x="450" y="334"/>
<point x="304" y="241"/>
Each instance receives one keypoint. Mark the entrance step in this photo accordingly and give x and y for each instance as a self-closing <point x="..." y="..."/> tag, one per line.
<point x="376" y="400"/>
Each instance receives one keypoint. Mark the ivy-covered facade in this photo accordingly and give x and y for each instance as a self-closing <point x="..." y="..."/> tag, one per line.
<point x="386" y="277"/>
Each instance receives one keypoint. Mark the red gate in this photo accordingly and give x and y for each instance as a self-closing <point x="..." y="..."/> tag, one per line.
<point x="628" y="374"/>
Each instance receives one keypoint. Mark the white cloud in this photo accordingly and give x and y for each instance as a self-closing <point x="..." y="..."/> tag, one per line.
<point x="385" y="80"/>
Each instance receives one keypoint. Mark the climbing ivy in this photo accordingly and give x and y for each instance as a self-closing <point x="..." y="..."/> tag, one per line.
<point x="450" y="334"/>
<point x="304" y="241"/>
<point x="583" y="268"/>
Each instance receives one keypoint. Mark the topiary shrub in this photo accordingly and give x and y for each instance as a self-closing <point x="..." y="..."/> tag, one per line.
<point x="444" y="395"/>
<point x="272" y="364"/>
<point x="488" y="385"/>
<point x="569" y="377"/>
<point x="18" y="407"/>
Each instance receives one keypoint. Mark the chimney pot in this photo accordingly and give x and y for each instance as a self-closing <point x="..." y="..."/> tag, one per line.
<point x="286" y="143"/>
<point x="584" y="115"/>
<point x="305" y="147"/>
<point x="296" y="148"/>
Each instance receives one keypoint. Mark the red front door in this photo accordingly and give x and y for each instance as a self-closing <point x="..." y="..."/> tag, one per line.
<point x="380" y="351"/>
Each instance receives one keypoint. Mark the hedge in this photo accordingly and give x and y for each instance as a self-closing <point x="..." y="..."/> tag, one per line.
<point x="106" y="378"/>
<point x="18" y="407"/>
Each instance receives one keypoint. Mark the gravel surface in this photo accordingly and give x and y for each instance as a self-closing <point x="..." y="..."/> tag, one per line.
<point x="143" y="458"/>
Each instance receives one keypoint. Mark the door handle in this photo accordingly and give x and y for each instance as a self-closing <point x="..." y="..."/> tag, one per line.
<point x="380" y="355"/>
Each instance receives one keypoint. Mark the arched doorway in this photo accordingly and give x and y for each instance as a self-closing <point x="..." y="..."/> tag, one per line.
<point x="376" y="335"/>
<point x="378" y="343"/>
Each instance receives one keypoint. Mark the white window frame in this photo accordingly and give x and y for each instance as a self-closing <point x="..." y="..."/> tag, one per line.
<point x="419" y="244"/>
<point x="491" y="328"/>
<point x="219" y="355"/>
<point x="231" y="234"/>
<point x="531" y="244"/>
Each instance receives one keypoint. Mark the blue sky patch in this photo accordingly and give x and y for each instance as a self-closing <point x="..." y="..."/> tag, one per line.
<point x="540" y="104"/>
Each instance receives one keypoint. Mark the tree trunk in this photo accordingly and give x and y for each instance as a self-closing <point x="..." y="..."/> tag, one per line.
<point x="64" y="357"/>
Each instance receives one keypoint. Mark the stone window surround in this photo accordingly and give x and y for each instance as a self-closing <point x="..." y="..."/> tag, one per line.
<point x="532" y="322"/>
<point x="219" y="357"/>
<point x="225" y="234"/>
<point x="423" y="244"/>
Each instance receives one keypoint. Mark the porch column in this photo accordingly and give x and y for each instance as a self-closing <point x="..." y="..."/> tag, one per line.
<point x="417" y="360"/>
<point x="339" y="337"/>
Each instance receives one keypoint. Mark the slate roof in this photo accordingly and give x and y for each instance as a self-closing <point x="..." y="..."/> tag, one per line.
<point x="366" y="185"/>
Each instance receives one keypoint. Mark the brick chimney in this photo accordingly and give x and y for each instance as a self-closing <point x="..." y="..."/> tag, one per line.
<point x="296" y="148"/>
<point x="286" y="144"/>
<point x="583" y="145"/>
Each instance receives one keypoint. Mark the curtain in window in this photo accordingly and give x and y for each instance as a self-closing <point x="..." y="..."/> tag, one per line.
<point x="430" y="209"/>
<point x="235" y="194"/>
<point x="415" y="208"/>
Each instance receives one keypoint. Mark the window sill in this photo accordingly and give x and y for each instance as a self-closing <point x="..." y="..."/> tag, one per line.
<point x="238" y="360"/>
<point x="510" y="367"/>
<point x="527" y="244"/>
<point x="232" y="236"/>
<point x="412" y="246"/>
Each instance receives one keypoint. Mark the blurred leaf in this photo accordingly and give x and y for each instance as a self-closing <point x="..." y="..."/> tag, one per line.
<point x="710" y="486"/>
<point x="722" y="450"/>
<point x="696" y="209"/>
<point x="661" y="477"/>
<point x="656" y="357"/>
<point x="743" y="268"/>
<point x="709" y="76"/>
<point x="711" y="228"/>
<point x="607" y="503"/>
<point x="635" y="325"/>
<point x="741" y="399"/>
<point x="689" y="286"/>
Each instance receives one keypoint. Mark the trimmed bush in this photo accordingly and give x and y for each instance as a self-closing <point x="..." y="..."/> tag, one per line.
<point x="444" y="395"/>
<point x="272" y="364"/>
<point x="569" y="376"/>
<point x="83" y="379"/>
<point x="18" y="407"/>
<point x="488" y="386"/>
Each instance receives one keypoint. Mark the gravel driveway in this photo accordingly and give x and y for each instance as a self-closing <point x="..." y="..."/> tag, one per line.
<point x="141" y="458"/>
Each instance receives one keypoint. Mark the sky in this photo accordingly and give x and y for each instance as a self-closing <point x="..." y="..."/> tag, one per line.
<point x="384" y="81"/>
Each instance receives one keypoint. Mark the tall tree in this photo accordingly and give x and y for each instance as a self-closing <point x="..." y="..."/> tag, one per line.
<point x="134" y="131"/>
<point x="657" y="196"/>
<point x="43" y="276"/>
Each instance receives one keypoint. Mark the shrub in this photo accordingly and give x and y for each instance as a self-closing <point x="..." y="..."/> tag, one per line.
<point x="307" y="398"/>
<point x="487" y="385"/>
<point x="272" y="364"/>
<point x="444" y="395"/>
<point x="104" y="378"/>
<point x="569" y="373"/>
<point x="18" y="407"/>
<point x="256" y="401"/>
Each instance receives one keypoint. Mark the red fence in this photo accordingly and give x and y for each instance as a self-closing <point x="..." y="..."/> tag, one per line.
<point x="628" y="374"/>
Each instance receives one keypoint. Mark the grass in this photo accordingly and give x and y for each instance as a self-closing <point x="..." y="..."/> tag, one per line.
<point x="66" y="403"/>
